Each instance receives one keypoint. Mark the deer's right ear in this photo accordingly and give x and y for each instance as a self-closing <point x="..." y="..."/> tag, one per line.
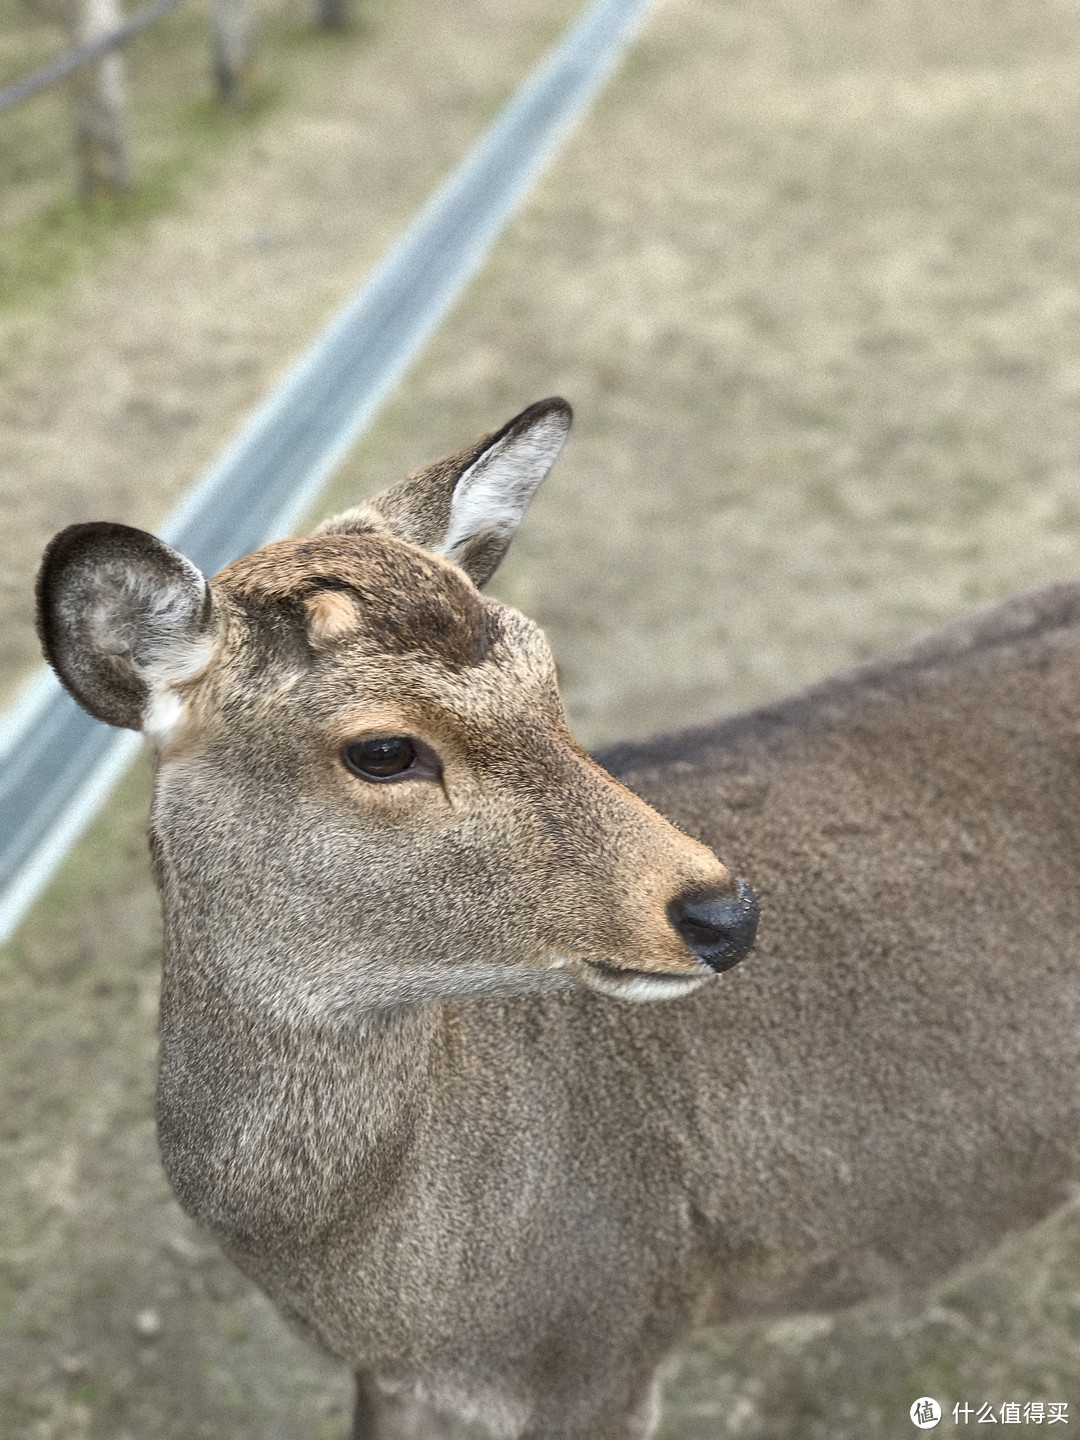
<point x="122" y="617"/>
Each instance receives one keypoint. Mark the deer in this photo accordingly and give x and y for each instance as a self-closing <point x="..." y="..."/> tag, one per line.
<point x="462" y="1057"/>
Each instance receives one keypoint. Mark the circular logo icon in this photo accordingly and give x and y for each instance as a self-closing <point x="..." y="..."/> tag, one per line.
<point x="925" y="1413"/>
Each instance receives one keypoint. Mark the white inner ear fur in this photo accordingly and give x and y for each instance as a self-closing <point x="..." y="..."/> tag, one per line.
<point x="164" y="707"/>
<point x="174" y="656"/>
<point x="493" y="494"/>
<point x="153" y="628"/>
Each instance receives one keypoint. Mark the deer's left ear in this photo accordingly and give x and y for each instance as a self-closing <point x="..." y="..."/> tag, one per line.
<point x="468" y="506"/>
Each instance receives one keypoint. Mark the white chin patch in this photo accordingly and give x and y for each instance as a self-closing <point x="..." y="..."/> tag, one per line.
<point x="643" y="987"/>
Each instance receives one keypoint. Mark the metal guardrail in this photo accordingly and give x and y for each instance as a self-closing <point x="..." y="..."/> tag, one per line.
<point x="64" y="65"/>
<point x="57" y="765"/>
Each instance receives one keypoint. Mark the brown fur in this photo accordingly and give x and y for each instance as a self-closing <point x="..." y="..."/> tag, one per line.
<point x="407" y="602"/>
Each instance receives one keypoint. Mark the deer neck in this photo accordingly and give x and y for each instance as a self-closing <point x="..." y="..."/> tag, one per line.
<point x="271" y="1129"/>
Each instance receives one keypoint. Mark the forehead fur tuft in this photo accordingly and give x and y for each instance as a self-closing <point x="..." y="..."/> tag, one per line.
<point x="396" y="596"/>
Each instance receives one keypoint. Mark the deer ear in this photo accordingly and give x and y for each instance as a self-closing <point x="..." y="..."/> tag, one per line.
<point x="122" y="617"/>
<point x="468" y="506"/>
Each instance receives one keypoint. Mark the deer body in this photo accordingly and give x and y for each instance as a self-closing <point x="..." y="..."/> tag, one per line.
<point x="400" y="1077"/>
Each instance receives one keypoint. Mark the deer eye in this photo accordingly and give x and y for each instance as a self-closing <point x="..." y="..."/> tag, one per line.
<point x="392" y="757"/>
<point x="380" y="759"/>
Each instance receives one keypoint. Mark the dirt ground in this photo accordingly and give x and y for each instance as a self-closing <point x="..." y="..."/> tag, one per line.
<point x="810" y="274"/>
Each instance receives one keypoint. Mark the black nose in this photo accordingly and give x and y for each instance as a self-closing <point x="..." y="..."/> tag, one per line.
<point x="720" y="931"/>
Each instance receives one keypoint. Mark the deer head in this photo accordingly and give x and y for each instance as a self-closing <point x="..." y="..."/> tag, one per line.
<point x="366" y="794"/>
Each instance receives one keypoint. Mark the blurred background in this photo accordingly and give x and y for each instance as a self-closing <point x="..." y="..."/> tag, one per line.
<point x="809" y="272"/>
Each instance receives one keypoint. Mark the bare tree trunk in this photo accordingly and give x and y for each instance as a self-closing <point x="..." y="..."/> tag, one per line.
<point x="332" y="14"/>
<point x="233" y="32"/>
<point x="99" y="105"/>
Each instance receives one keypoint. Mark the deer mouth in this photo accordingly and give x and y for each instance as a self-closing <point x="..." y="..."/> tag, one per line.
<point x="628" y="984"/>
